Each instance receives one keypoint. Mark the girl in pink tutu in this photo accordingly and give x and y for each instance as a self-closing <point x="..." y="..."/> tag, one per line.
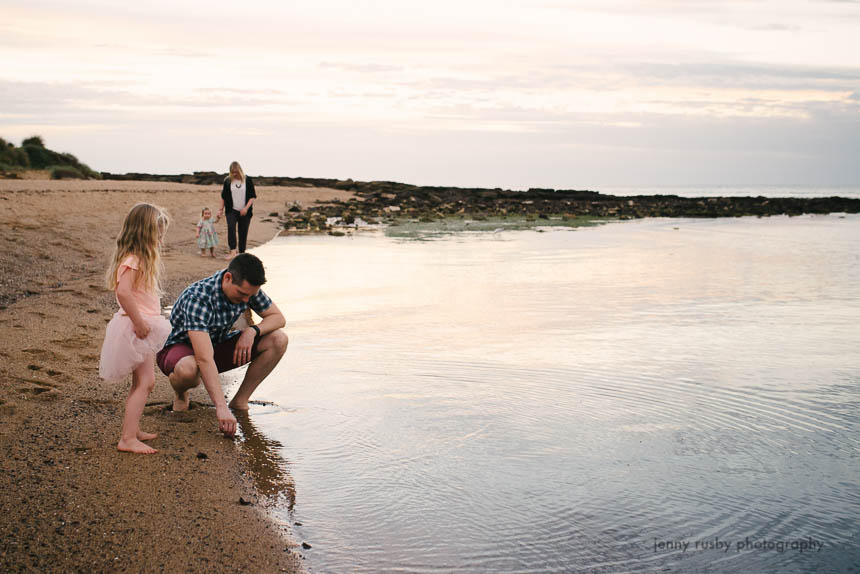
<point x="137" y="331"/>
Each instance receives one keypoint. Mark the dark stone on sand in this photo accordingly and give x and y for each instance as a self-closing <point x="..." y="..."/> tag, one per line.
<point x="376" y="198"/>
<point x="298" y="523"/>
<point x="244" y="502"/>
<point x="202" y="455"/>
<point x="306" y="546"/>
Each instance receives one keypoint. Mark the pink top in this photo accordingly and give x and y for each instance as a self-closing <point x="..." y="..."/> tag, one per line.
<point x="148" y="303"/>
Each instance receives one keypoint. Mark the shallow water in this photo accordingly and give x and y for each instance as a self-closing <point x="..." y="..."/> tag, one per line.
<point x="574" y="400"/>
<point x="737" y="190"/>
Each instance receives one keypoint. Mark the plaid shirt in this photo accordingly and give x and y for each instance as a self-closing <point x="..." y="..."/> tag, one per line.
<point x="203" y="307"/>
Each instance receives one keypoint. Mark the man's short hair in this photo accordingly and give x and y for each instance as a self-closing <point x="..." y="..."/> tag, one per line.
<point x="247" y="267"/>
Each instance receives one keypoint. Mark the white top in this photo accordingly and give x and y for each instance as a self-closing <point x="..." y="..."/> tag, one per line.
<point x="238" y="193"/>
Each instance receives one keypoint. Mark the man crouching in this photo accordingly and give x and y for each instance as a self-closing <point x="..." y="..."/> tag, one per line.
<point x="203" y="342"/>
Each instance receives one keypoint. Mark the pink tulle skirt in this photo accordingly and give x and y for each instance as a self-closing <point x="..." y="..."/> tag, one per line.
<point x="122" y="351"/>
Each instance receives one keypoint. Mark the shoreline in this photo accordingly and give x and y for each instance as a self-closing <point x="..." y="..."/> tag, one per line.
<point x="71" y="501"/>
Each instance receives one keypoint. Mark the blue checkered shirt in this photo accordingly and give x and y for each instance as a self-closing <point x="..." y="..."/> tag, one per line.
<point x="204" y="307"/>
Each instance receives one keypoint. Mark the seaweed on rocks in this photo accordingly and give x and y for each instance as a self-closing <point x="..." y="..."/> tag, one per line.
<point x="378" y="200"/>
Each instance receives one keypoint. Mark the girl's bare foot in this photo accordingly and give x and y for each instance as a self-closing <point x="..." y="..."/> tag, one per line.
<point x="134" y="446"/>
<point x="146" y="435"/>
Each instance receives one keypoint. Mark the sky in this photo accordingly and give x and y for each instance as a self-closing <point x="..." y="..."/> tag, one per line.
<point x="497" y="93"/>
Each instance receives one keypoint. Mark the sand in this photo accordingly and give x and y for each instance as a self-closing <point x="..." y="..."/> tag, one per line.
<point x="70" y="501"/>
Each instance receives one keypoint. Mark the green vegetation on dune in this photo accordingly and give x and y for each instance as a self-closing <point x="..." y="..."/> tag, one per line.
<point x="34" y="155"/>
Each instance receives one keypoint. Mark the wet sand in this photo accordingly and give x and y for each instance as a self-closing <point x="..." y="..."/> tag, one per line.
<point x="70" y="501"/>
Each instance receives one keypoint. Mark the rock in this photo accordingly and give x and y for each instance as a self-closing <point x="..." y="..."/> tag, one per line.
<point x="306" y="546"/>
<point x="202" y="455"/>
<point x="244" y="502"/>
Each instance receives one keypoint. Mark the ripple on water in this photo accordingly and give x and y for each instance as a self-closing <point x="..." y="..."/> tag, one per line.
<point x="585" y="415"/>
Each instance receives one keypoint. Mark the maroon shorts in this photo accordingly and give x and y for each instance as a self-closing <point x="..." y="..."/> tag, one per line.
<point x="169" y="356"/>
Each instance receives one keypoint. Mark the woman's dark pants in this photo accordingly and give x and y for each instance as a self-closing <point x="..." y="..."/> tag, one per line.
<point x="233" y="218"/>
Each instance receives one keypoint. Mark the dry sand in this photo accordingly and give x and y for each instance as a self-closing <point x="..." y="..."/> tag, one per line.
<point x="70" y="501"/>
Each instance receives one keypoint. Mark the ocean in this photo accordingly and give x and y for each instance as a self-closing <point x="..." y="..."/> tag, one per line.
<point x="657" y="394"/>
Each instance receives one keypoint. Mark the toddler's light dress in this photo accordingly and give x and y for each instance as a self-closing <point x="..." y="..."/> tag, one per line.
<point x="123" y="351"/>
<point x="208" y="236"/>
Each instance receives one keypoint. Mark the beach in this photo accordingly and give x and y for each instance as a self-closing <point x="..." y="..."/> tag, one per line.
<point x="70" y="501"/>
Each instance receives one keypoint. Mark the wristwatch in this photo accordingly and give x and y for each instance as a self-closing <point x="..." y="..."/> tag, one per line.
<point x="257" y="329"/>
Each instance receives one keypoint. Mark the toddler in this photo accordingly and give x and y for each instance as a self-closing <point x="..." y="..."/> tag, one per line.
<point x="207" y="237"/>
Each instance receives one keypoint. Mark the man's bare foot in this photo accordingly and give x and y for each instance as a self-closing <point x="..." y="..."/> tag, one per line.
<point x="181" y="402"/>
<point x="238" y="406"/>
<point x="146" y="435"/>
<point x="134" y="446"/>
<point x="231" y="255"/>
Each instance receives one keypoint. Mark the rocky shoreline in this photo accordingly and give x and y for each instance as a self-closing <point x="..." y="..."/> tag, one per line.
<point x="387" y="202"/>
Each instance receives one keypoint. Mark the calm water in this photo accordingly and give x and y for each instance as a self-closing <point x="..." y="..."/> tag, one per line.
<point x="569" y="401"/>
<point x="737" y="190"/>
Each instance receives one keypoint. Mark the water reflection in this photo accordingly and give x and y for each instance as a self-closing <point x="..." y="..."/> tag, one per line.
<point x="265" y="465"/>
<point x="568" y="401"/>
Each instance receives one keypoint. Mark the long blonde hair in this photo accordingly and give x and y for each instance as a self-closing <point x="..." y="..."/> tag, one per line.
<point x="238" y="168"/>
<point x="141" y="235"/>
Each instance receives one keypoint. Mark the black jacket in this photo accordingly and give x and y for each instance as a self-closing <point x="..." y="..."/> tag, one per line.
<point x="228" y="197"/>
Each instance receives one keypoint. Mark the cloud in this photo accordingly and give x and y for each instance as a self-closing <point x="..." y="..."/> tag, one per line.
<point x="360" y="68"/>
<point x="375" y="89"/>
<point x="745" y="74"/>
<point x="551" y="149"/>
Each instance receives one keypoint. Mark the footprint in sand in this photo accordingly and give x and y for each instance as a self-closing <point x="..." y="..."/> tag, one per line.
<point x="41" y="393"/>
<point x="68" y="290"/>
<point x="27" y="381"/>
<point x="49" y="395"/>
<point x="46" y="356"/>
<point x="77" y="342"/>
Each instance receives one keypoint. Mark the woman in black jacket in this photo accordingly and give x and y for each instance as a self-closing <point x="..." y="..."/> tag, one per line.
<point x="237" y="197"/>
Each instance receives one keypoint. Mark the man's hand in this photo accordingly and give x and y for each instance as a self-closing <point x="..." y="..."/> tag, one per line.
<point x="141" y="329"/>
<point x="243" y="211"/>
<point x="242" y="350"/>
<point x="226" y="420"/>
